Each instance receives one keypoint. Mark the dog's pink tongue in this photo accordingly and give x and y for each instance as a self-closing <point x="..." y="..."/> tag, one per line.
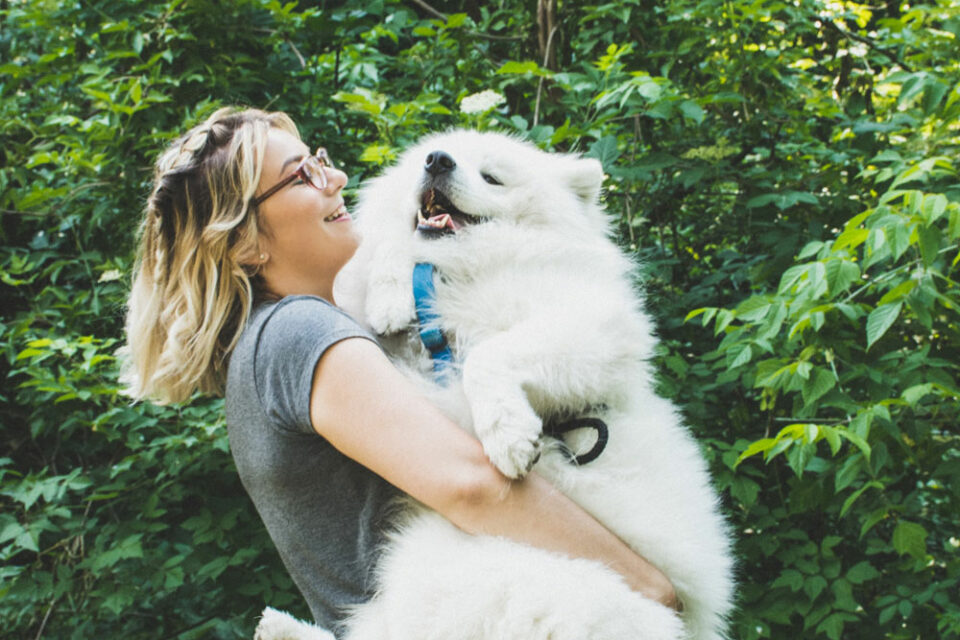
<point x="443" y="221"/>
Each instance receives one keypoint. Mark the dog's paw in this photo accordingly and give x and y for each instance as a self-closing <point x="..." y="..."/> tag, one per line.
<point x="389" y="311"/>
<point x="510" y="437"/>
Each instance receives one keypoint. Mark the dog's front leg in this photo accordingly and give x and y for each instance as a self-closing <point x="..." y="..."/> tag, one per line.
<point x="494" y="374"/>
<point x="547" y="365"/>
<point x="389" y="300"/>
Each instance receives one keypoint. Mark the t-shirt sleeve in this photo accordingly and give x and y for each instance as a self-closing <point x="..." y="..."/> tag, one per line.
<point x="291" y="341"/>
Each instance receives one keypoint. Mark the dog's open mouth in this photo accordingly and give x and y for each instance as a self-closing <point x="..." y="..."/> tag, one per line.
<point x="437" y="216"/>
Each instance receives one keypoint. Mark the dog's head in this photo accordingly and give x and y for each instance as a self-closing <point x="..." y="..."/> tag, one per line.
<point x="451" y="182"/>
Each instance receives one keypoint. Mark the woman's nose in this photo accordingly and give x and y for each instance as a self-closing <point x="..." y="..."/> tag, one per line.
<point x="336" y="180"/>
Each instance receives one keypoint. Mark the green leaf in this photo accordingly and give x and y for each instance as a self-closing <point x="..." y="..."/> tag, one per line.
<point x="856" y="494"/>
<point x="862" y="572"/>
<point x="760" y="446"/>
<point x="742" y="358"/>
<point x="914" y="394"/>
<point x="753" y="309"/>
<point x="27" y="539"/>
<point x="724" y="318"/>
<point x="696" y="312"/>
<point x="899" y="239"/>
<point x="455" y="20"/>
<point x="833" y="624"/>
<point x="514" y="67"/>
<point x="799" y="456"/>
<point x="820" y="381"/>
<point x="841" y="274"/>
<point x="832" y="437"/>
<point x="810" y="249"/>
<point x="881" y="319"/>
<point x="910" y="538"/>
<point x="744" y="490"/>
<point x="905" y="608"/>
<point x="378" y="154"/>
<point x="857" y="440"/>
<point x="848" y="472"/>
<point x="898" y="292"/>
<point x="851" y="238"/>
<point x="934" y="206"/>
<point x="214" y="568"/>
<point x="606" y="150"/>
<point x="11" y="531"/>
<point x="930" y="241"/>
<point x="790" y="278"/>
<point x="692" y="110"/>
<point x="789" y="578"/>
<point x="813" y="586"/>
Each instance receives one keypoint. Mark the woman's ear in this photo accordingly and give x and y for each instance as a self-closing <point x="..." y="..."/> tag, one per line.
<point x="253" y="258"/>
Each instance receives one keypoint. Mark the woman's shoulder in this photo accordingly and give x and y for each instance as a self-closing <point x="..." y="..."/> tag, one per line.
<point x="292" y="328"/>
<point x="293" y="315"/>
<point x="273" y="363"/>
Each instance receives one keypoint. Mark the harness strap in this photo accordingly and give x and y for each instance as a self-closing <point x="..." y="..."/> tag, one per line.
<point x="557" y="431"/>
<point x="424" y="294"/>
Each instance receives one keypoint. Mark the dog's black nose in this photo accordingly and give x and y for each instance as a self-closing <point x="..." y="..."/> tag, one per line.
<point x="439" y="162"/>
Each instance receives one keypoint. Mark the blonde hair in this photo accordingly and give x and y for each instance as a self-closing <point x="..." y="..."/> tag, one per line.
<point x="192" y="291"/>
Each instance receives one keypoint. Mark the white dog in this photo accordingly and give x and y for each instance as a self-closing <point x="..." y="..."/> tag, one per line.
<point x="545" y="325"/>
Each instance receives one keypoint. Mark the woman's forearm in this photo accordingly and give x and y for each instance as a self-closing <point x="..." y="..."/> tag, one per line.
<point x="383" y="423"/>
<point x="532" y="511"/>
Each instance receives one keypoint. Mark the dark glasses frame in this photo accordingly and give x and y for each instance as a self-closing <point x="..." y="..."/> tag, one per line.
<point x="312" y="170"/>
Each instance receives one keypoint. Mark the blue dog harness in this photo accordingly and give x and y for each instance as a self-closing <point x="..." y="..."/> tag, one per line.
<point x="424" y="295"/>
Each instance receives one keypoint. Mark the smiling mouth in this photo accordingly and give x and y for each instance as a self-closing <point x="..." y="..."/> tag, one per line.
<point x="438" y="216"/>
<point x="339" y="214"/>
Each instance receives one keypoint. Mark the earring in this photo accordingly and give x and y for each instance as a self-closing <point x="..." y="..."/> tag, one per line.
<point x="263" y="257"/>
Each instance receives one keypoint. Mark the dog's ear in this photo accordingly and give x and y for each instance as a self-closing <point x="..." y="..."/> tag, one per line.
<point x="584" y="175"/>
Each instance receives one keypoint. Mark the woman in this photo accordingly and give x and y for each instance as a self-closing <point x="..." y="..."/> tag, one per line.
<point x="240" y="243"/>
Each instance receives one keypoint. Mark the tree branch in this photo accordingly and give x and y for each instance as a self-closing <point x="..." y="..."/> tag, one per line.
<point x="442" y="16"/>
<point x="867" y="41"/>
<point x="46" y="617"/>
<point x="546" y="56"/>
<point x="303" y="63"/>
<point x="423" y="5"/>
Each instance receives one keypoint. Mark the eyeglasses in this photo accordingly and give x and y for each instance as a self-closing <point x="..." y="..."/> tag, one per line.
<point x="312" y="170"/>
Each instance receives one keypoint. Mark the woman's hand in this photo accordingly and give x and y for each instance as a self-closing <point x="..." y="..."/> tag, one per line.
<point x="371" y="413"/>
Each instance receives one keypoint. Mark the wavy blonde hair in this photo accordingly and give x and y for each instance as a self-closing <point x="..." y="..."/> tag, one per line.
<point x="193" y="287"/>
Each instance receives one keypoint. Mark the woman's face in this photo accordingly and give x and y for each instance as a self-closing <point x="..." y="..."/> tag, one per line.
<point x="306" y="234"/>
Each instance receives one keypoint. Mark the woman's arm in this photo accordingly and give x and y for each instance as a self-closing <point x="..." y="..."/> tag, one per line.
<point x="370" y="412"/>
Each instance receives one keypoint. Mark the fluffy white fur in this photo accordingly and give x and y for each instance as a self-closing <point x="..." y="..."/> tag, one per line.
<point x="545" y="320"/>
<point x="277" y="625"/>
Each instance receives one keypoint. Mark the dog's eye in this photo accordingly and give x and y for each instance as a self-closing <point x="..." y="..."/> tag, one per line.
<point x="489" y="179"/>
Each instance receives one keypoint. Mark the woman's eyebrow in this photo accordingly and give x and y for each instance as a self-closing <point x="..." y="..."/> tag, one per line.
<point x="288" y="161"/>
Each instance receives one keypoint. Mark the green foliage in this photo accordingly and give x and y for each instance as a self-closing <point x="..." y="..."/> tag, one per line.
<point x="786" y="172"/>
<point x="857" y="348"/>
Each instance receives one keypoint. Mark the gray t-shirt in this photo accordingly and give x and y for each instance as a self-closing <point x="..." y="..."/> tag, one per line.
<point x="325" y="513"/>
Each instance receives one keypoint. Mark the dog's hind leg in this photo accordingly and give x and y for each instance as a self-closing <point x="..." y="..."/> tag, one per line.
<point x="442" y="584"/>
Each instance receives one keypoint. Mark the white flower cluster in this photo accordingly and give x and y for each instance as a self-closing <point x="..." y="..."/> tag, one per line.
<point x="481" y="102"/>
<point x="110" y="275"/>
<point x="858" y="50"/>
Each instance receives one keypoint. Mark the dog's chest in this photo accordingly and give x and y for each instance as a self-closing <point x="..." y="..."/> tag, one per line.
<point x="474" y="305"/>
